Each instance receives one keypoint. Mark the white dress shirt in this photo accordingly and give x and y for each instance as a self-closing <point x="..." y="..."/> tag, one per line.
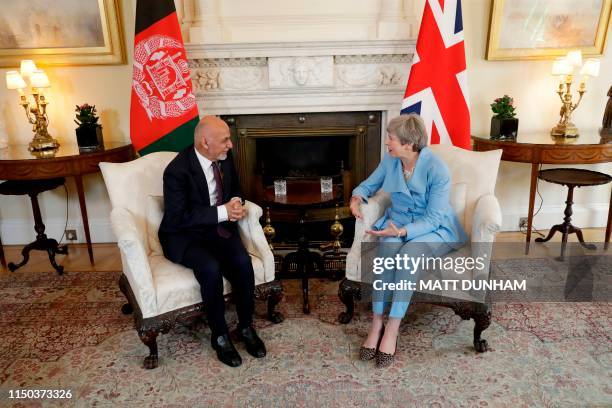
<point x="212" y="185"/>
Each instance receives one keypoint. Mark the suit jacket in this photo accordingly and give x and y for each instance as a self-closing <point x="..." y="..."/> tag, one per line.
<point x="422" y="204"/>
<point x="188" y="212"/>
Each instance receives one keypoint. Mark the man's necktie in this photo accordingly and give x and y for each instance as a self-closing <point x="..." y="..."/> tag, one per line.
<point x="221" y="230"/>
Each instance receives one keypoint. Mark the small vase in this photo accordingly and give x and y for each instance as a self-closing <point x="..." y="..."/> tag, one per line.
<point x="89" y="137"/>
<point x="502" y="128"/>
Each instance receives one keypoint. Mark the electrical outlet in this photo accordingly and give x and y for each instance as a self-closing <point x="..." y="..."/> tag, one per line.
<point x="522" y="222"/>
<point x="71" y="235"/>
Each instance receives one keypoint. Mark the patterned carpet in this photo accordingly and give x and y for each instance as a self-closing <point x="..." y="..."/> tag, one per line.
<point x="67" y="332"/>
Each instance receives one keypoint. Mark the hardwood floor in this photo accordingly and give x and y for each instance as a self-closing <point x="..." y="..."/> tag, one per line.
<point x="108" y="259"/>
<point x="106" y="256"/>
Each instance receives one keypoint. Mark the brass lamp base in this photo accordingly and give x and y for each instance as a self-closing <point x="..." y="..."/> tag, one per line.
<point x="568" y="130"/>
<point x="43" y="144"/>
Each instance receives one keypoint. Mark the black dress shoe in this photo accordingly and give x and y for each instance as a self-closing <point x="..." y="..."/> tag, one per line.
<point x="226" y="352"/>
<point x="253" y="343"/>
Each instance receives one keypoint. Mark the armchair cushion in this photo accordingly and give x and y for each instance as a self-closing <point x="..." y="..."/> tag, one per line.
<point x="477" y="169"/>
<point x="175" y="285"/>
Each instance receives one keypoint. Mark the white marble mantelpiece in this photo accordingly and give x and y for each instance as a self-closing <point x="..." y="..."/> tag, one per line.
<point x="300" y="77"/>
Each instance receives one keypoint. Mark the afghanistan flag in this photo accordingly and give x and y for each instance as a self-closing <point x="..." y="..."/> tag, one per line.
<point x="163" y="112"/>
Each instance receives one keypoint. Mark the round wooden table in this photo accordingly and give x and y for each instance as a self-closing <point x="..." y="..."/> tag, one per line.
<point x="302" y="196"/>
<point x="571" y="178"/>
<point x="17" y="163"/>
<point x="542" y="148"/>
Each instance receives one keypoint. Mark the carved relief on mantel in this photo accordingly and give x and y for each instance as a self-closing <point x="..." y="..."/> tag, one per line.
<point x="301" y="72"/>
<point x="372" y="71"/>
<point x="214" y="76"/>
<point x="228" y="74"/>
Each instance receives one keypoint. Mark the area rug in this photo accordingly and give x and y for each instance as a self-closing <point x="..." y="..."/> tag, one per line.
<point x="67" y="332"/>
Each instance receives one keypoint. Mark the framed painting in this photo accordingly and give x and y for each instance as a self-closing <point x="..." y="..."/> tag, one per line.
<point x="61" y="32"/>
<point x="545" y="29"/>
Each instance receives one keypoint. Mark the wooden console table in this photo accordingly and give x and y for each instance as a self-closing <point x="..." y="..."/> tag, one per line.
<point x="541" y="148"/>
<point x="17" y="163"/>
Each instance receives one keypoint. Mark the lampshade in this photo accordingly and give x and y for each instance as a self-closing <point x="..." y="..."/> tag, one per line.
<point x="590" y="67"/>
<point x="574" y="58"/>
<point x="27" y="68"/>
<point x="562" y="67"/>
<point x="14" y="80"/>
<point x="39" y="79"/>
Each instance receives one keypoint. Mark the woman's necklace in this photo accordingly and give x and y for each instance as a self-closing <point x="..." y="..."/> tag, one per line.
<point x="408" y="172"/>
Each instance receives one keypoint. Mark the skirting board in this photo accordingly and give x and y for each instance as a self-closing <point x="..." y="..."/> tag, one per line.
<point x="19" y="232"/>
<point x="584" y="216"/>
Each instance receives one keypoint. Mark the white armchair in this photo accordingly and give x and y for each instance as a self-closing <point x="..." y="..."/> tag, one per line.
<point x="473" y="178"/>
<point x="158" y="291"/>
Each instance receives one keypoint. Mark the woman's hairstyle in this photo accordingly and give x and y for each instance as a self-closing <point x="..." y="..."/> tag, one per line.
<point x="409" y="129"/>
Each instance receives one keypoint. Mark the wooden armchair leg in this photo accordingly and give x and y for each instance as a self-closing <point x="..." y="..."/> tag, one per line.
<point x="149" y="338"/>
<point x="481" y="313"/>
<point x="127" y="309"/>
<point x="272" y="292"/>
<point x="348" y="291"/>
<point x="273" y="315"/>
<point x="482" y="320"/>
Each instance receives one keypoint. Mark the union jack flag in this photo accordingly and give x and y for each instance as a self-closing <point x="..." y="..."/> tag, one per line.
<point x="437" y="83"/>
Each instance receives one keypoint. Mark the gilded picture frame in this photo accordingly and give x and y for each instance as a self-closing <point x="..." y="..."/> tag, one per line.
<point x="524" y="29"/>
<point x="62" y="32"/>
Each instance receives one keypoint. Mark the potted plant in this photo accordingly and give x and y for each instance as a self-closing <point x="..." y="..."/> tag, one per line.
<point x="504" y="124"/>
<point x="89" y="132"/>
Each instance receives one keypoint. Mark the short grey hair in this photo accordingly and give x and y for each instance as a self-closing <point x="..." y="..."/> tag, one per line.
<point x="409" y="129"/>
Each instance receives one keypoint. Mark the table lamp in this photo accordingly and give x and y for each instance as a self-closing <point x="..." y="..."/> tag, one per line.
<point x="564" y="68"/>
<point x="36" y="112"/>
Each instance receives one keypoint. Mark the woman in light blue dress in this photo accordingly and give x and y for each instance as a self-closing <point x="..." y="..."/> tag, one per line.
<point x="420" y="212"/>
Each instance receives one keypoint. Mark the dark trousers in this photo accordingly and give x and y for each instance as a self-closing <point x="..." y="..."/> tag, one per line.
<point x="212" y="258"/>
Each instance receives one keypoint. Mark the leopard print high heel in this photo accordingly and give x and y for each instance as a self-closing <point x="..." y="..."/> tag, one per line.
<point x="367" y="353"/>
<point x="384" y="360"/>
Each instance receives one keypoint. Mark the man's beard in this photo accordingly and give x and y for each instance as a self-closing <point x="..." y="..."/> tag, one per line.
<point x="222" y="156"/>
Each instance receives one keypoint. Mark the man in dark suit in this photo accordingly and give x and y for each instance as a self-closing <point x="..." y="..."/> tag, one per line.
<point x="202" y="204"/>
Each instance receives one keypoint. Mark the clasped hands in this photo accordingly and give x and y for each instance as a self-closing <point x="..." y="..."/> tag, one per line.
<point x="235" y="209"/>
<point x="391" y="231"/>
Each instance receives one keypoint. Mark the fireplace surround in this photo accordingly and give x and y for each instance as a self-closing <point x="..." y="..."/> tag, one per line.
<point x="305" y="146"/>
<point x="300" y="96"/>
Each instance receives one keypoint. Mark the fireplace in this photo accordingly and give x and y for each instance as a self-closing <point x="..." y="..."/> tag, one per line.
<point x="306" y="146"/>
<point x="301" y="156"/>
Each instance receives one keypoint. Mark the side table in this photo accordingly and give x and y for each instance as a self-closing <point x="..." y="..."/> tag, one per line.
<point x="571" y="178"/>
<point x="17" y="163"/>
<point x="33" y="188"/>
<point x="302" y="196"/>
<point x="542" y="148"/>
